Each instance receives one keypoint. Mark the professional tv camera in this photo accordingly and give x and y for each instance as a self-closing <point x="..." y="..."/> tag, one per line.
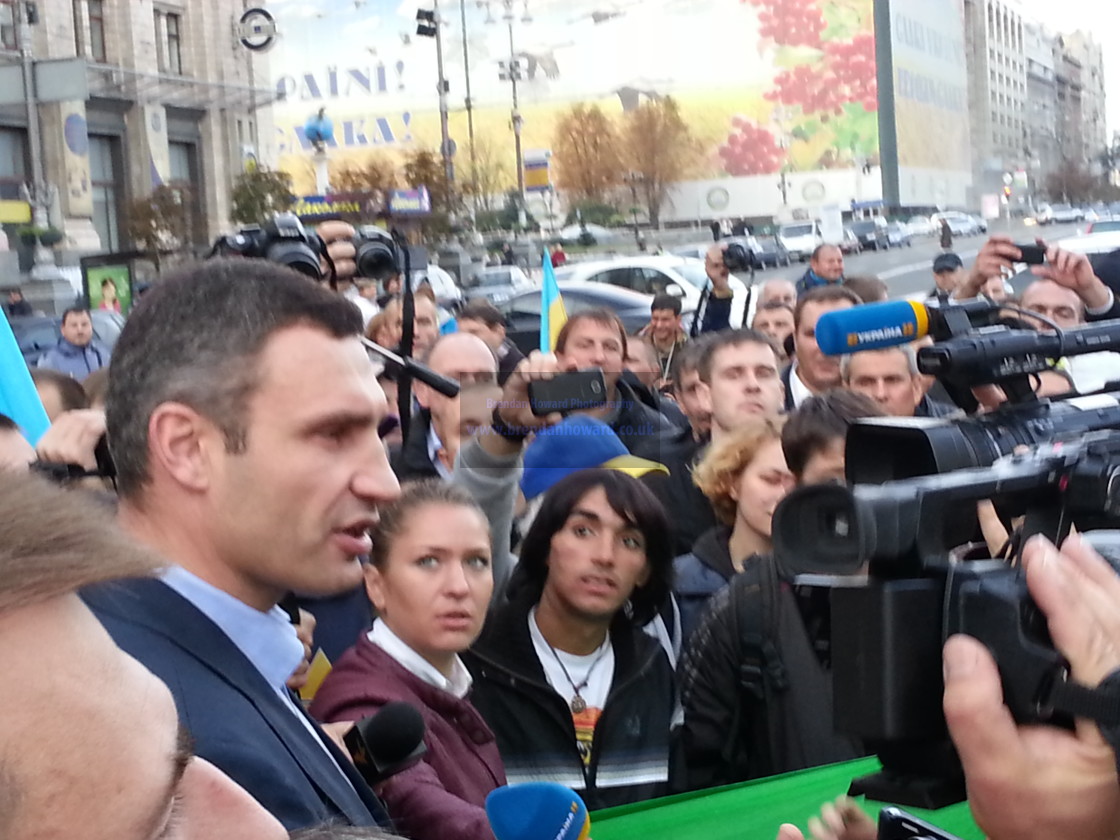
<point x="906" y="521"/>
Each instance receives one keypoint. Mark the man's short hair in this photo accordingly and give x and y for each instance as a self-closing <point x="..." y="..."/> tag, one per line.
<point x="946" y="262"/>
<point x="482" y="310"/>
<point x="906" y="350"/>
<point x="817" y="251"/>
<point x="730" y="338"/>
<point x="195" y="338"/>
<point x="74" y="310"/>
<point x="54" y="542"/>
<point x="599" y="316"/>
<point x="7" y="424"/>
<point x="71" y="393"/>
<point x="819" y="421"/>
<point x="687" y="358"/>
<point x="823" y="294"/>
<point x="666" y="301"/>
<point x="867" y="287"/>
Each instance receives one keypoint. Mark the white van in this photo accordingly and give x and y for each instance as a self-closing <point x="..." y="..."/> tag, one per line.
<point x="800" y="239"/>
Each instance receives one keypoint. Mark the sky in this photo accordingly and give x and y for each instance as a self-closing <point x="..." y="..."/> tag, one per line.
<point x="1100" y="17"/>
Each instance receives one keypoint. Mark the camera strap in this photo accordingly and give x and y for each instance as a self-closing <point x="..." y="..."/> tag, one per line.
<point x="1100" y="705"/>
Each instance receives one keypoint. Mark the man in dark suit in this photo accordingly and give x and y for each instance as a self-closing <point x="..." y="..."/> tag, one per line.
<point x="243" y="414"/>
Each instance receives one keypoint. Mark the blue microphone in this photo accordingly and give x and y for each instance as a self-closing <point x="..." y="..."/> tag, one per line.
<point x="537" y="811"/>
<point x="874" y="326"/>
<point x="871" y="327"/>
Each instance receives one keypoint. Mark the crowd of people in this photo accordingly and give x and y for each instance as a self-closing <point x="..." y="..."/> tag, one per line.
<point x="589" y="597"/>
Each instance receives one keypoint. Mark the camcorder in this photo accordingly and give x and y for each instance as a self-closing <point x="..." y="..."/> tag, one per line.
<point x="894" y="546"/>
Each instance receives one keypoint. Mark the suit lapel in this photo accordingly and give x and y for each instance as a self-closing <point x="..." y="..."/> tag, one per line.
<point x="164" y="611"/>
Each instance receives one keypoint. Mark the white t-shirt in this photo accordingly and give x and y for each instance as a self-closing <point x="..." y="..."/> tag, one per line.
<point x="596" y="669"/>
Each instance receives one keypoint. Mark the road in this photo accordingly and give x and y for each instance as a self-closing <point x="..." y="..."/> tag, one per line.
<point x="909" y="270"/>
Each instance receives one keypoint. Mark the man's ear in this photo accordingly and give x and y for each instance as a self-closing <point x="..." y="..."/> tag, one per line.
<point x="183" y="444"/>
<point x="704" y="397"/>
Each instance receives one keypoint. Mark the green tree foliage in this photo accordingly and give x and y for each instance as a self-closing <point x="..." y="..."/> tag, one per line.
<point x="658" y="148"/>
<point x="258" y="195"/>
<point x="585" y="150"/>
<point x="161" y="223"/>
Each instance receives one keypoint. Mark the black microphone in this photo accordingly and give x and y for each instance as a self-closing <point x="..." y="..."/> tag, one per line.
<point x="387" y="743"/>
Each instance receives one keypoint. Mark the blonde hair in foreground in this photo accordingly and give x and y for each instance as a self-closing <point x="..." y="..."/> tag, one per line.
<point x="54" y="542"/>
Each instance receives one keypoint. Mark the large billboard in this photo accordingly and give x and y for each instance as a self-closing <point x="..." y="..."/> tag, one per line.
<point x="765" y="85"/>
<point x="924" y="95"/>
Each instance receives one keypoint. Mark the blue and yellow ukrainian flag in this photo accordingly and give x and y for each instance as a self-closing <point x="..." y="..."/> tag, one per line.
<point x="553" y="314"/>
<point x="18" y="397"/>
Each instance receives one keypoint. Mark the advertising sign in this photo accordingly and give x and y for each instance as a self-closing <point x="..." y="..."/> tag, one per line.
<point x="764" y="85"/>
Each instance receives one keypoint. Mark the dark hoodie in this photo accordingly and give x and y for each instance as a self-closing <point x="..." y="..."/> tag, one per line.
<point x="700" y="574"/>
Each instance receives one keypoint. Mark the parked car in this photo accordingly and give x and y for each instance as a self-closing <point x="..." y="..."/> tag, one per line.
<point x="496" y="283"/>
<point x="36" y="334"/>
<point x="898" y="235"/>
<point x="850" y="244"/>
<point x="1104" y="225"/>
<point x="1044" y="214"/>
<point x="921" y="226"/>
<point x="523" y="310"/>
<point x="1064" y="214"/>
<point x="655" y="275"/>
<point x="800" y="239"/>
<point x="961" y="224"/>
<point x="447" y="292"/>
<point x="871" y="233"/>
<point x="771" y="253"/>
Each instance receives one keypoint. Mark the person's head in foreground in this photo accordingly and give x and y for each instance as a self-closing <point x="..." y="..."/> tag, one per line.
<point x="90" y="741"/>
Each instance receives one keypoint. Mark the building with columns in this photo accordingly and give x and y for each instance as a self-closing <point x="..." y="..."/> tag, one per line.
<point x="173" y="97"/>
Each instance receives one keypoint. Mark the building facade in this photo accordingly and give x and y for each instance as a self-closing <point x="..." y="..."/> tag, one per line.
<point x="173" y="98"/>
<point x="1080" y="115"/>
<point x="1042" y="138"/>
<point x="995" y="40"/>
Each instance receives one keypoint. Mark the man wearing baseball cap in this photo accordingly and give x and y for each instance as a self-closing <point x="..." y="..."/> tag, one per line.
<point x="948" y="271"/>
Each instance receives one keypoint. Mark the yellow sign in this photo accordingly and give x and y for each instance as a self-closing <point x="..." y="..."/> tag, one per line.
<point x="15" y="212"/>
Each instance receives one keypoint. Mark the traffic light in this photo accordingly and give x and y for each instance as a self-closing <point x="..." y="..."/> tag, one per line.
<point x="426" y="23"/>
<point x="1007" y="192"/>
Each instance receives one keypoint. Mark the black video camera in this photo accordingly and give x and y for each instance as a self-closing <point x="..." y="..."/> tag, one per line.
<point x="888" y="628"/>
<point x="907" y="520"/>
<point x="283" y="239"/>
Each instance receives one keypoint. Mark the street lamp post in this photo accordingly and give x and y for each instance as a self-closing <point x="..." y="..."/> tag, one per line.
<point x="469" y="105"/>
<point x="429" y="25"/>
<point x="511" y="72"/>
<point x="38" y="191"/>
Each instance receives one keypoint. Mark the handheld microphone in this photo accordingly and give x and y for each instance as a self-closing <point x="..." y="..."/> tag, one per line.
<point x="874" y="326"/>
<point x="387" y="743"/>
<point x="537" y="811"/>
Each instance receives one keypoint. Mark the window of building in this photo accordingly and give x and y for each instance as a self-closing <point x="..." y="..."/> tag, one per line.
<point x="96" y="29"/>
<point x="8" y="10"/>
<point x="169" y="41"/>
<point x="106" y="196"/>
<point x="12" y="170"/>
<point x="79" y="27"/>
<point x="174" y="40"/>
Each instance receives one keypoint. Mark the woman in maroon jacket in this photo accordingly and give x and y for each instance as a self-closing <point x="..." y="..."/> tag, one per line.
<point x="430" y="578"/>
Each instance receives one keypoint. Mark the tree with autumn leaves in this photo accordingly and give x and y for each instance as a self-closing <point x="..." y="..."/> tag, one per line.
<point x="595" y="154"/>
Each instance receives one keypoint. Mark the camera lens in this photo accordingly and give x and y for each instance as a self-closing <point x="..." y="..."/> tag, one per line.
<point x="296" y="255"/>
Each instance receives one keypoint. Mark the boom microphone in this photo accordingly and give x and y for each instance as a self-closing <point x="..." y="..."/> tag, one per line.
<point x="387" y="743"/>
<point x="537" y="811"/>
<point x="874" y="326"/>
